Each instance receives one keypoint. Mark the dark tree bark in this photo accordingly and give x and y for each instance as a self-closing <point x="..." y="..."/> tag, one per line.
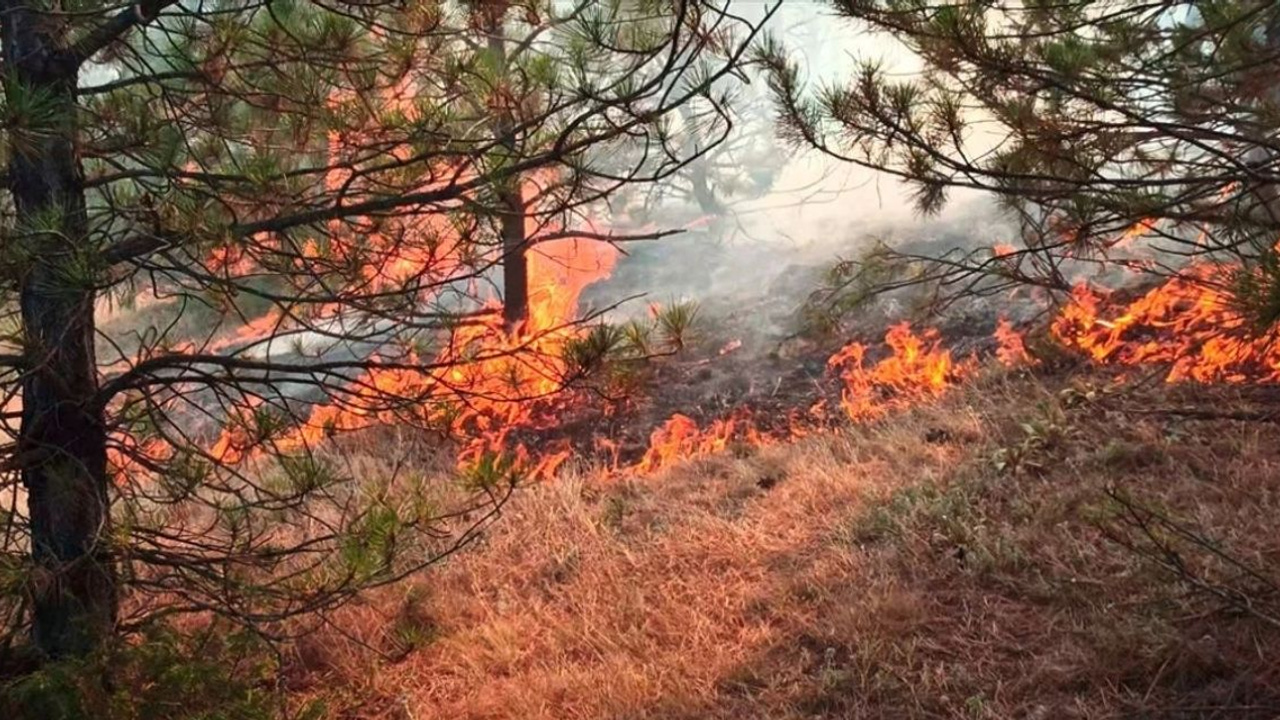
<point x="515" y="263"/>
<point x="62" y="442"/>
<point x="702" y="192"/>
<point x="699" y="170"/>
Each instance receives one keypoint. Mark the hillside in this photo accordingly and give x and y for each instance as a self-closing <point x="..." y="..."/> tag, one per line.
<point x="962" y="559"/>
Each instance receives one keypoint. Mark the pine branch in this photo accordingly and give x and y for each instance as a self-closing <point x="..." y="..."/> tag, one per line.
<point x="122" y="22"/>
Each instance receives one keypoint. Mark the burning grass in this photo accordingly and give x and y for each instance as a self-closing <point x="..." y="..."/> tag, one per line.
<point x="903" y="568"/>
<point x="511" y="402"/>
<point x="1192" y="324"/>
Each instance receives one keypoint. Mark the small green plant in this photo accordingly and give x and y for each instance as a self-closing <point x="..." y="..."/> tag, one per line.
<point x="976" y="706"/>
<point x="895" y="517"/>
<point x="304" y="473"/>
<point x="1255" y="288"/>
<point x="638" y="336"/>
<point x="950" y="520"/>
<point x="850" y="284"/>
<point x="676" y="322"/>
<point x="625" y="378"/>
<point x="1041" y="438"/>
<point x="586" y="355"/>
<point x="369" y="547"/>
<point x="212" y="673"/>
<point x="615" y="511"/>
<point x="493" y="471"/>
<point x="413" y="627"/>
<point x="1024" y="457"/>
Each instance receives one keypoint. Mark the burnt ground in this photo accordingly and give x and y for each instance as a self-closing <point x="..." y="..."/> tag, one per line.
<point x="755" y="353"/>
<point x="733" y="369"/>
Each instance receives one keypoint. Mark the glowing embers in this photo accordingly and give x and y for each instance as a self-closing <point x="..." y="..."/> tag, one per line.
<point x="1188" y="324"/>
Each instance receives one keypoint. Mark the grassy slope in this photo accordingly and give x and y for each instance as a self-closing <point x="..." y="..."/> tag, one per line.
<point x="944" y="563"/>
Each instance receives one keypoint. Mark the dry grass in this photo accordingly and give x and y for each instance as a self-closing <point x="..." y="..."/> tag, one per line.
<point x="944" y="563"/>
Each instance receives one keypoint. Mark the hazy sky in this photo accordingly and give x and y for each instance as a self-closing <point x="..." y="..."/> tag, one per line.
<point x="857" y="201"/>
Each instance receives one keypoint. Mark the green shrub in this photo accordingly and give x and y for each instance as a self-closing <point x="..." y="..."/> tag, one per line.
<point x="214" y="673"/>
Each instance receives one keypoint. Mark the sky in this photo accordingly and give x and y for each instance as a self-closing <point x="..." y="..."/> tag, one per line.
<point x="848" y="201"/>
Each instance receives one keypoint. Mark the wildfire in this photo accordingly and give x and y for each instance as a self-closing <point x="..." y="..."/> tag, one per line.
<point x="679" y="437"/>
<point x="1188" y="324"/>
<point x="917" y="368"/>
<point x="501" y="383"/>
<point x="1011" y="351"/>
<point x="518" y="383"/>
<point x="1134" y="232"/>
<point x="497" y="380"/>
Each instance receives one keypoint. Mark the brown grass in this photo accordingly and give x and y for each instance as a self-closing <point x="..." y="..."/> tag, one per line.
<point x="943" y="563"/>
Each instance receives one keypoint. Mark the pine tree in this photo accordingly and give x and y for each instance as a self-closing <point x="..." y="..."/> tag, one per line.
<point x="295" y="200"/>
<point x="1092" y="122"/>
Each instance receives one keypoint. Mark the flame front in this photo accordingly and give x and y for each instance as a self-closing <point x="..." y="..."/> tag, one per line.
<point x="495" y="380"/>
<point x="518" y="383"/>
<point x="1188" y="324"/>
<point x="679" y="438"/>
<point x="1011" y="350"/>
<point x="917" y="368"/>
<point x="488" y="380"/>
<point x="496" y="383"/>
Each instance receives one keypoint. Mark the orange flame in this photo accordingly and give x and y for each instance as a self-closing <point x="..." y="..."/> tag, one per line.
<point x="501" y="381"/>
<point x="518" y="381"/>
<point x="680" y="438"/>
<point x="1134" y="232"/>
<point x="918" y="368"/>
<point x="1011" y="351"/>
<point x="497" y="380"/>
<point x="1188" y="324"/>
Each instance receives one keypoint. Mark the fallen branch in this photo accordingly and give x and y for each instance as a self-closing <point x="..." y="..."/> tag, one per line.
<point x="1161" y="532"/>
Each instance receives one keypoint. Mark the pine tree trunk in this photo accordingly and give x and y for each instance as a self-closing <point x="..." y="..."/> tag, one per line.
<point x="62" y="442"/>
<point x="515" y="263"/>
<point x="702" y="192"/>
<point x="699" y="170"/>
<point x="1270" y="192"/>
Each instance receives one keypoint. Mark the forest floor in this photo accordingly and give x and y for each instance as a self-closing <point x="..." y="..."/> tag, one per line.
<point x="1033" y="545"/>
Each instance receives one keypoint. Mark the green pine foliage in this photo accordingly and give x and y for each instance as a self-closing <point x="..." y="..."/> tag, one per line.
<point x="1086" y="119"/>
<point x="294" y="202"/>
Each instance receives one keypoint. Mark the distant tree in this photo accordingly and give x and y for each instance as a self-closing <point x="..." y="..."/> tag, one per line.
<point x="1094" y="123"/>
<point x="733" y="158"/>
<point x="745" y="165"/>
<point x="295" y="199"/>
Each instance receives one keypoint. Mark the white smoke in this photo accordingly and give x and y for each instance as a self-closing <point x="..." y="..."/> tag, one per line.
<point x="772" y="249"/>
